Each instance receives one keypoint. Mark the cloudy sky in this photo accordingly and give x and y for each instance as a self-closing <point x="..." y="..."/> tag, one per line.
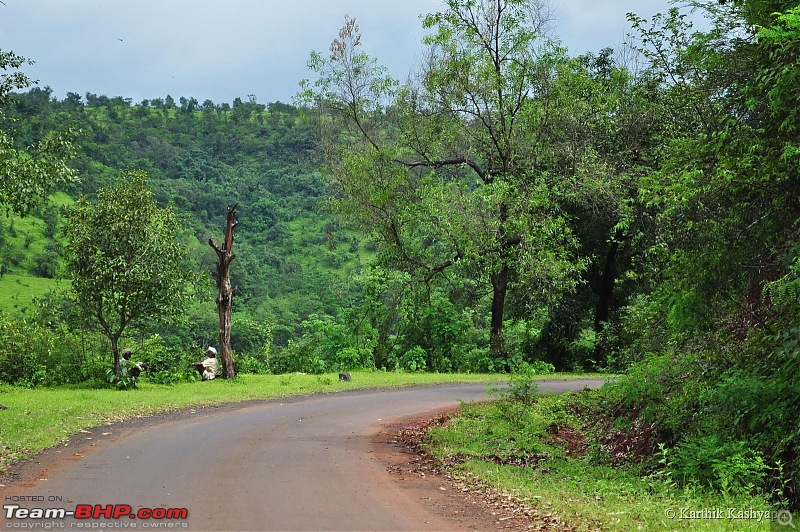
<point x="224" y="49"/>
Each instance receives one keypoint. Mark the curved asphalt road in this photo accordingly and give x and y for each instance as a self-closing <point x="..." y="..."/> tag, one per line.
<point x="300" y="464"/>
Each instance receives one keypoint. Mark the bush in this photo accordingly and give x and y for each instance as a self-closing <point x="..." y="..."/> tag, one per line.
<point x="249" y="335"/>
<point x="522" y="387"/>
<point x="157" y="357"/>
<point x="412" y="360"/>
<point x="479" y="360"/>
<point x="730" y="467"/>
<point x="351" y="358"/>
<point x="45" y="265"/>
<point x="298" y="356"/>
<point x="24" y="350"/>
<point x="120" y="382"/>
<point x="247" y="363"/>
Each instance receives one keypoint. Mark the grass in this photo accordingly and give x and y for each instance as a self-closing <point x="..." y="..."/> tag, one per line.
<point x="489" y="442"/>
<point x="40" y="418"/>
<point x="17" y="291"/>
<point x="19" y="287"/>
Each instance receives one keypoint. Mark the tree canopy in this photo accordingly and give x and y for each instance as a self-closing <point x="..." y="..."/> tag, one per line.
<point x="123" y="258"/>
<point x="29" y="172"/>
<point x="446" y="169"/>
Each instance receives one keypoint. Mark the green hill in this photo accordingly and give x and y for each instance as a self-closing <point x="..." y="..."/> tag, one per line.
<point x="291" y="258"/>
<point x="30" y="255"/>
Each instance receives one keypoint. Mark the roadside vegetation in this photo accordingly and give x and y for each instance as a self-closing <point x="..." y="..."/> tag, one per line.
<point x="567" y="458"/>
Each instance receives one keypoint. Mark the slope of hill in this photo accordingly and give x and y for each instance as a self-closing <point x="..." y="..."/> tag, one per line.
<point x="29" y="255"/>
<point x="291" y="258"/>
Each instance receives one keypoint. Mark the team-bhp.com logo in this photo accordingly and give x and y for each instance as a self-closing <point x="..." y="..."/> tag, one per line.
<point x="94" y="511"/>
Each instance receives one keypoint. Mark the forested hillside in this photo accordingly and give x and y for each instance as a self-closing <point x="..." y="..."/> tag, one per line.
<point x="291" y="258"/>
<point x="301" y="272"/>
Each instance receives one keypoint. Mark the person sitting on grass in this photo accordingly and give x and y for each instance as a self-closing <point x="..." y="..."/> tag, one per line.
<point x="128" y="368"/>
<point x="209" y="367"/>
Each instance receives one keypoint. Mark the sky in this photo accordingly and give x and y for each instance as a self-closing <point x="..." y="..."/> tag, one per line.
<point x="224" y="49"/>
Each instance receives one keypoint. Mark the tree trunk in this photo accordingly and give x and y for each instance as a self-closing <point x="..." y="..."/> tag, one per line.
<point x="225" y="293"/>
<point x="115" y="352"/>
<point x="604" y="288"/>
<point x="499" y="287"/>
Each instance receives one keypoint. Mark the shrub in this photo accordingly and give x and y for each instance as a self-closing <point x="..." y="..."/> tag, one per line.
<point x="353" y="358"/>
<point x="24" y="348"/>
<point x="45" y="265"/>
<point x="412" y="360"/>
<point x="157" y="356"/>
<point x="120" y="382"/>
<point x="730" y="467"/>
<point x="248" y="363"/>
<point x="522" y="387"/>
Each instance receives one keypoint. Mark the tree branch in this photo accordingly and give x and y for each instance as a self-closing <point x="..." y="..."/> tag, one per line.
<point x="485" y="177"/>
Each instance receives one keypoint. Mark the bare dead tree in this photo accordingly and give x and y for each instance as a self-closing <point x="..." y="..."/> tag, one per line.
<point x="225" y="292"/>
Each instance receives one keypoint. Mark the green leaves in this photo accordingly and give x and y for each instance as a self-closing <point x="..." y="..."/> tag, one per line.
<point x="441" y="170"/>
<point x="781" y="79"/>
<point x="28" y="174"/>
<point x="123" y="256"/>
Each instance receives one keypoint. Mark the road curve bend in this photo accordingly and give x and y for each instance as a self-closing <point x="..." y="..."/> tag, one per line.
<point x="305" y="463"/>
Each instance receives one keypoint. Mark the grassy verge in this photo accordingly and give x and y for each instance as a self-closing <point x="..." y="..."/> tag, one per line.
<point x="40" y="418"/>
<point x="541" y="454"/>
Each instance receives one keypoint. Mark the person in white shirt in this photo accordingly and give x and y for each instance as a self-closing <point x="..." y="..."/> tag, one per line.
<point x="128" y="368"/>
<point x="208" y="367"/>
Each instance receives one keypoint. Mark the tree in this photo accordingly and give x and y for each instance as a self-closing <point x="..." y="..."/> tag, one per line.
<point x="448" y="170"/>
<point x="728" y="184"/>
<point x="605" y="137"/>
<point x="225" y="291"/>
<point x="124" y="259"/>
<point x="724" y="310"/>
<point x="28" y="174"/>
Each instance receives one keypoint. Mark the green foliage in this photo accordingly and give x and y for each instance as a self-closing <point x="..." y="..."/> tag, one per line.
<point x="24" y="349"/>
<point x="719" y="326"/>
<point x="46" y="263"/>
<point x="51" y="219"/>
<point x="640" y="220"/>
<point x="31" y="172"/>
<point x="412" y="360"/>
<point x="436" y="191"/>
<point x="354" y="358"/>
<point x="433" y="334"/>
<point x="535" y="452"/>
<point x="120" y="382"/>
<point x="324" y="345"/>
<point x="708" y="462"/>
<point x="201" y="161"/>
<point x="248" y="335"/>
<point x="779" y="79"/>
<point x="297" y="357"/>
<point x="32" y="354"/>
<point x="784" y="293"/>
<point x="252" y="364"/>
<point x="522" y="386"/>
<point x="124" y="258"/>
<point x="155" y="355"/>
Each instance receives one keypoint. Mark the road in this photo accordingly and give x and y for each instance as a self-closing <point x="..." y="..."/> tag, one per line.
<point x="307" y="463"/>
